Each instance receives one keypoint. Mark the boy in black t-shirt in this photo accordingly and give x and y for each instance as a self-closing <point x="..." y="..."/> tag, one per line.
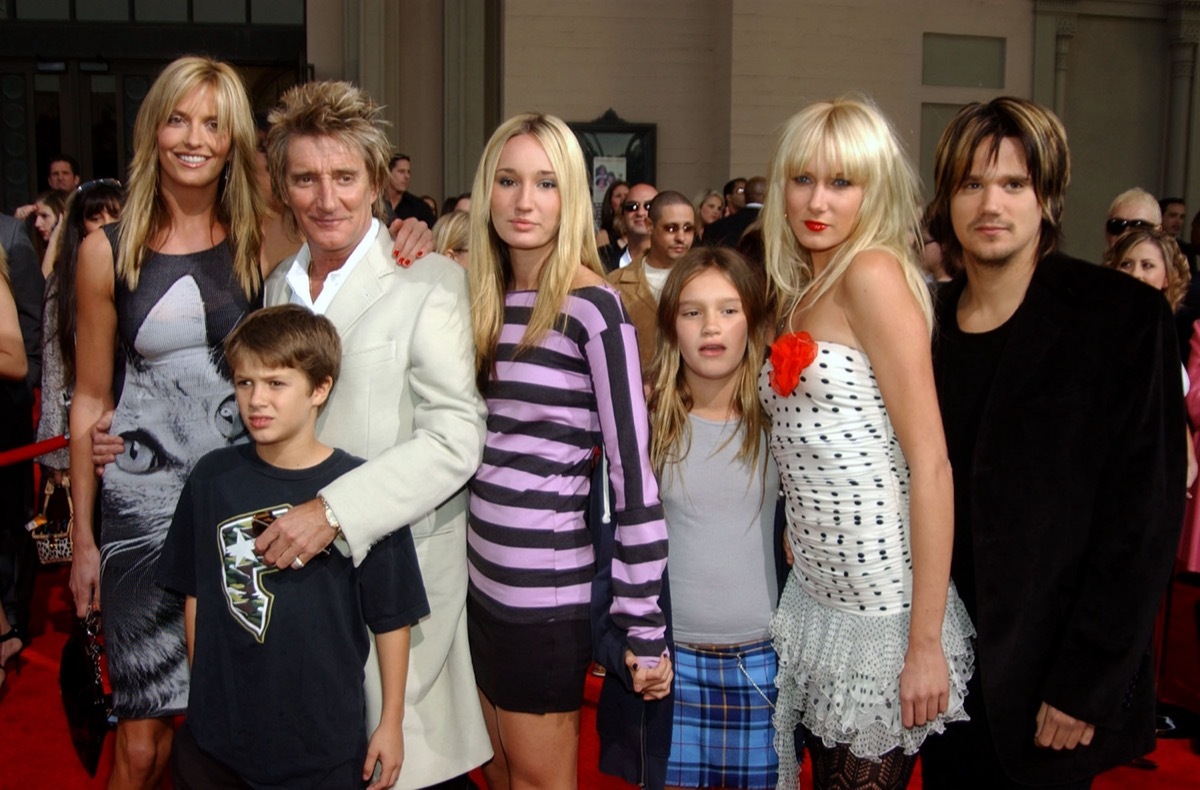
<point x="277" y="656"/>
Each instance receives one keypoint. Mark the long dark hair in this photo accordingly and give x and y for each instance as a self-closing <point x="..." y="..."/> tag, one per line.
<point x="88" y="200"/>
<point x="607" y="215"/>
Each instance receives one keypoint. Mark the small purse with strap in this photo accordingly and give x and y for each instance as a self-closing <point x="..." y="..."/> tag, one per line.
<point x="51" y="529"/>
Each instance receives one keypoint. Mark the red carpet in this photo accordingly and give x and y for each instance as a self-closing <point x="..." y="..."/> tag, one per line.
<point x="36" y="752"/>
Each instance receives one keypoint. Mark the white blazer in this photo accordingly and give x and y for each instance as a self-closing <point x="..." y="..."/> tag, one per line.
<point x="406" y="401"/>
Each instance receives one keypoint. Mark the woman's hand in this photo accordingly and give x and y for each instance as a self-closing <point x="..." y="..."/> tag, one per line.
<point x="651" y="682"/>
<point x="85" y="577"/>
<point x="412" y="240"/>
<point x="924" y="686"/>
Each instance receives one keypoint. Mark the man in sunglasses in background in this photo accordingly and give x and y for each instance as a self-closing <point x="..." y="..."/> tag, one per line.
<point x="1133" y="208"/>
<point x="673" y="229"/>
<point x="635" y="216"/>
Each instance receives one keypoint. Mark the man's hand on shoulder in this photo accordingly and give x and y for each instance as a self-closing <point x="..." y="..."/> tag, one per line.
<point x="1057" y="730"/>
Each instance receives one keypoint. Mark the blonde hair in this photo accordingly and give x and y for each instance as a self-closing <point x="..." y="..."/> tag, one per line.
<point x="854" y="136"/>
<point x="671" y="398"/>
<point x="491" y="272"/>
<point x="451" y="231"/>
<point x="1175" y="263"/>
<point x="1137" y="196"/>
<point x="335" y="110"/>
<point x="239" y="204"/>
<point x="702" y="198"/>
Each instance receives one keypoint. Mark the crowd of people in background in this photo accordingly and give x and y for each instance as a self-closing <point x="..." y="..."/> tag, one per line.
<point x="365" y="482"/>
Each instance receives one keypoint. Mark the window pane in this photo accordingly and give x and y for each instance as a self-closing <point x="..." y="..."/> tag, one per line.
<point x="934" y="120"/>
<point x="104" y="127"/>
<point x="160" y="10"/>
<point x="218" y="10"/>
<point x="963" y="61"/>
<point x="102" y="10"/>
<point x="277" y="12"/>
<point x="43" y="9"/>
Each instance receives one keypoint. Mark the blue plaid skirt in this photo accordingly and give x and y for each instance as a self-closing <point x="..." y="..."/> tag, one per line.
<point x="721" y="735"/>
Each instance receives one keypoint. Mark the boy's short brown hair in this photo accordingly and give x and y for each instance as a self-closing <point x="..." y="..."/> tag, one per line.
<point x="288" y="336"/>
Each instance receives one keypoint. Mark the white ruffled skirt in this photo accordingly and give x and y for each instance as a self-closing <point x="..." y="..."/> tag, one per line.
<point x="839" y="674"/>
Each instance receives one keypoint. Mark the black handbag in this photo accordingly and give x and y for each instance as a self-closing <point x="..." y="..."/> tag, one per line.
<point x="88" y="708"/>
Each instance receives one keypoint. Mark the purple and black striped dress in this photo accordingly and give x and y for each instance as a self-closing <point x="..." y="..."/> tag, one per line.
<point x="529" y="551"/>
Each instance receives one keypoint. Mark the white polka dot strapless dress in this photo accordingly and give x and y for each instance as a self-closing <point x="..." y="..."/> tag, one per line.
<point x="841" y="630"/>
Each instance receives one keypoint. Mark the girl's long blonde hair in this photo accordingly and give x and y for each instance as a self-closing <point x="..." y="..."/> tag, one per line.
<point x="854" y="136"/>
<point x="671" y="398"/>
<point x="239" y="205"/>
<point x="490" y="272"/>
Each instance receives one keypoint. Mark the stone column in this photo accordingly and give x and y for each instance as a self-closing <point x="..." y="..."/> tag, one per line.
<point x="1184" y="33"/>
<point x="1065" y="31"/>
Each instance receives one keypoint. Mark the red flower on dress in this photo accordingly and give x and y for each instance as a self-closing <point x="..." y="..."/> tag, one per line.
<point x="790" y="354"/>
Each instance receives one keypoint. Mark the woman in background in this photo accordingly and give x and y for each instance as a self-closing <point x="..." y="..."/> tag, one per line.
<point x="48" y="211"/>
<point x="1153" y="257"/>
<point x="610" y="239"/>
<point x="93" y="205"/>
<point x="450" y="234"/>
<point x="710" y="207"/>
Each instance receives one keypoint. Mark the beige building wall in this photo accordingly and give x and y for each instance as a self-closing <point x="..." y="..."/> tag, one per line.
<point x="719" y="77"/>
<point x="1115" y="118"/>
<point x="650" y="62"/>
<point x="789" y="54"/>
<point x="393" y="49"/>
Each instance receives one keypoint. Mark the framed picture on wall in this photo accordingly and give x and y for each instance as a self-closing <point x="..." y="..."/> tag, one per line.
<point x="616" y="150"/>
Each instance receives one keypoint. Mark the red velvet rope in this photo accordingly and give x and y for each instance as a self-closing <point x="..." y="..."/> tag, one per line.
<point x="18" y="454"/>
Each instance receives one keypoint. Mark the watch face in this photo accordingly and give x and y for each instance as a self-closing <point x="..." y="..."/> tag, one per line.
<point x="332" y="519"/>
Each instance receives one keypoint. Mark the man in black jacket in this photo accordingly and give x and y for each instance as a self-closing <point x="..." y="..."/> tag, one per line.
<point x="402" y="203"/>
<point x="1060" y="390"/>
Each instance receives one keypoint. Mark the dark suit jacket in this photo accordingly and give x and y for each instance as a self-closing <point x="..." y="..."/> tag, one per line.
<point x="727" y="231"/>
<point x="1077" y="501"/>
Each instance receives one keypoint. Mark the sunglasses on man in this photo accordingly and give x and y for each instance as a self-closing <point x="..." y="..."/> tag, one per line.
<point x="632" y="205"/>
<point x="1116" y="226"/>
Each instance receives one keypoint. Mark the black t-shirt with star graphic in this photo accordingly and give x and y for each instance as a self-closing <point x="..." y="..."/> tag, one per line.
<point x="277" y="673"/>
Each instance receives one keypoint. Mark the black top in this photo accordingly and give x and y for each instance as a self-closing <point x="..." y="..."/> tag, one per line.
<point x="966" y="369"/>
<point x="277" y="675"/>
<point x="409" y="205"/>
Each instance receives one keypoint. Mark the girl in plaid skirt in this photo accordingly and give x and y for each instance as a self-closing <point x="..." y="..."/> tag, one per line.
<point x="719" y="487"/>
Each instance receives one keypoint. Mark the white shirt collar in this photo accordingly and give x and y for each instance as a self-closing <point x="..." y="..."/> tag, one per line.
<point x="297" y="275"/>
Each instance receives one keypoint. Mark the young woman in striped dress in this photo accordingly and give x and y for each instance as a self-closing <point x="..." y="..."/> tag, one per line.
<point x="558" y="365"/>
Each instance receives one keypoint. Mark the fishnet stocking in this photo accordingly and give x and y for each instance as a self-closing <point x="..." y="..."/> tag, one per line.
<point x="839" y="769"/>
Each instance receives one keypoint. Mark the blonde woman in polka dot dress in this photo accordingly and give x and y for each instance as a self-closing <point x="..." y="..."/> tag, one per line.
<point x="873" y="642"/>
